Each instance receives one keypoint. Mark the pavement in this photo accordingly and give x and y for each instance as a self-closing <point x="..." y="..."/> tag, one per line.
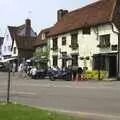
<point x="91" y="100"/>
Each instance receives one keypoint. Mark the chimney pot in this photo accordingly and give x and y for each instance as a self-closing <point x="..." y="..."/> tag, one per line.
<point x="61" y="13"/>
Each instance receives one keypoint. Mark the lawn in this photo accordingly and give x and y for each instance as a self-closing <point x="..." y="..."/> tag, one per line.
<point x="21" y="112"/>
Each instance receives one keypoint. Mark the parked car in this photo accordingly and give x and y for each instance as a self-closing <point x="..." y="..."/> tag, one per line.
<point x="64" y="74"/>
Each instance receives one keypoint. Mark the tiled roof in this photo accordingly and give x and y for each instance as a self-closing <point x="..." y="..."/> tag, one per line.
<point x="93" y="14"/>
<point x="39" y="41"/>
<point x="23" y="41"/>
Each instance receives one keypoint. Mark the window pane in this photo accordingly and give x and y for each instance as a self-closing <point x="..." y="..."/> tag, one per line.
<point x="55" y="46"/>
<point x="55" y="60"/>
<point x="105" y="40"/>
<point x="14" y="50"/>
<point x="75" y="60"/>
<point x="63" y="40"/>
<point x="86" y="31"/>
<point x="74" y="41"/>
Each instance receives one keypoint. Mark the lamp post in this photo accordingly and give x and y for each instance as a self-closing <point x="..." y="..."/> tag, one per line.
<point x="8" y="86"/>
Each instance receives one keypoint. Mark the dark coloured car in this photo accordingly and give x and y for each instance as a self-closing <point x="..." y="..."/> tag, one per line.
<point x="64" y="74"/>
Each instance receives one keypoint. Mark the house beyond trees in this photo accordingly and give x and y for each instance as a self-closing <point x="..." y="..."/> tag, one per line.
<point x="89" y="36"/>
<point x="41" y="43"/>
<point x="1" y="43"/>
<point x="19" y="41"/>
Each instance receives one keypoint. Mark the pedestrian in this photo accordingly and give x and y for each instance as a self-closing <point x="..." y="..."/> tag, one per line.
<point x="33" y="72"/>
<point x="74" y="73"/>
<point x="20" y="70"/>
<point x="13" y="68"/>
<point x="80" y="70"/>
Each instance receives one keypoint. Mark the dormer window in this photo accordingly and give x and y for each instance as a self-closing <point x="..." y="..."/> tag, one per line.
<point x="63" y="40"/>
<point x="43" y="36"/>
<point x="86" y="31"/>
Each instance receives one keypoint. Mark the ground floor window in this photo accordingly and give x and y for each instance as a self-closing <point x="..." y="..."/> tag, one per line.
<point x="106" y="62"/>
<point x="99" y="62"/>
<point x="74" y="60"/>
<point x="55" y="60"/>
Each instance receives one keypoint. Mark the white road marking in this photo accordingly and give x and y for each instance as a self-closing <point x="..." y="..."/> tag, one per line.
<point x="76" y="86"/>
<point x="25" y="93"/>
<point x="73" y="85"/>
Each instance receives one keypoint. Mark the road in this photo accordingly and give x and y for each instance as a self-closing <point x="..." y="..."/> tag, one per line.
<point x="86" y="98"/>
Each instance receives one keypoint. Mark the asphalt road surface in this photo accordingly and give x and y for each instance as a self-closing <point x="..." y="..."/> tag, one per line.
<point x="86" y="98"/>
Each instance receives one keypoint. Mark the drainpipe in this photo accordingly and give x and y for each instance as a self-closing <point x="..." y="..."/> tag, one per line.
<point x="118" y="54"/>
<point x="118" y="64"/>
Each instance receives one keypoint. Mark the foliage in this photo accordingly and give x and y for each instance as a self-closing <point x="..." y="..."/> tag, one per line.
<point x="94" y="74"/>
<point x="20" y="112"/>
<point x="42" y="63"/>
<point x="40" y="54"/>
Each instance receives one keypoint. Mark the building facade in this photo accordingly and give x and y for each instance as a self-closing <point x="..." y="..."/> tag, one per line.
<point x="88" y="37"/>
<point x="19" y="41"/>
<point x="41" y="43"/>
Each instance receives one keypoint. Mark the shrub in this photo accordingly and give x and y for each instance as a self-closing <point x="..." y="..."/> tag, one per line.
<point x="93" y="74"/>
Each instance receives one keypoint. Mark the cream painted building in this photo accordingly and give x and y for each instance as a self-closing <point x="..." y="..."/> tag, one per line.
<point x="87" y="37"/>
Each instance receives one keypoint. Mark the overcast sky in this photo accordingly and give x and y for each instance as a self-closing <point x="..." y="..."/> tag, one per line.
<point x="43" y="12"/>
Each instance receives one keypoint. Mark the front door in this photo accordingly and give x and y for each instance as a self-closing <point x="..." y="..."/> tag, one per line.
<point x="75" y="60"/>
<point x="112" y="66"/>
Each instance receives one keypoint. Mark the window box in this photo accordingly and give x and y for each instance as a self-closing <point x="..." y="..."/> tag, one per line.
<point x="103" y="46"/>
<point x="74" y="46"/>
<point x="114" y="47"/>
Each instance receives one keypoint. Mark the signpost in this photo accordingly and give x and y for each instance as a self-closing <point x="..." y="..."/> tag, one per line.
<point x="8" y="86"/>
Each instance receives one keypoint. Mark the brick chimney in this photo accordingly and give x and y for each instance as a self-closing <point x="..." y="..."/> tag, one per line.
<point x="61" y="13"/>
<point x="28" y="27"/>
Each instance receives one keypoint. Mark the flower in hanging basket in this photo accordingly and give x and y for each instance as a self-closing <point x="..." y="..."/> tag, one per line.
<point x="87" y="58"/>
<point x="81" y="58"/>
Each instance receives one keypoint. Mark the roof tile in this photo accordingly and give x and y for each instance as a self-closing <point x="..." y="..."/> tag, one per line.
<point x="96" y="13"/>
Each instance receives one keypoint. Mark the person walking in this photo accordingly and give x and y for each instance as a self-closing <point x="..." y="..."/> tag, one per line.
<point x="13" y="68"/>
<point x="74" y="72"/>
<point x="80" y="70"/>
<point x="20" y="70"/>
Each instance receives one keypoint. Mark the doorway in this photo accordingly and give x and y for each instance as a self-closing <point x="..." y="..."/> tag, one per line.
<point x="112" y="66"/>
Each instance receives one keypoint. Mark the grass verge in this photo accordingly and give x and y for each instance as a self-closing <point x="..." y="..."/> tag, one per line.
<point x="21" y="112"/>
